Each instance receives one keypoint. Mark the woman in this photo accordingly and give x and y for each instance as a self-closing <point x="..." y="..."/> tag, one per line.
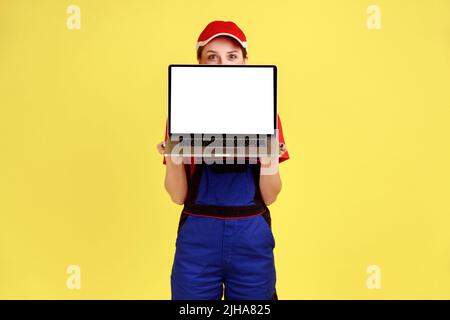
<point x="225" y="242"/>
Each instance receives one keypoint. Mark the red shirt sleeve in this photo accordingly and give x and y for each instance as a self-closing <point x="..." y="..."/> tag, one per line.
<point x="285" y="156"/>
<point x="165" y="139"/>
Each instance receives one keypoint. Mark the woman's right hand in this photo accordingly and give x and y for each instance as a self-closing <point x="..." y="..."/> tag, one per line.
<point x="173" y="158"/>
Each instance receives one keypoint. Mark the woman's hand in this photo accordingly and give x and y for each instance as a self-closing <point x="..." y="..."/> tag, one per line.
<point x="266" y="161"/>
<point x="174" y="158"/>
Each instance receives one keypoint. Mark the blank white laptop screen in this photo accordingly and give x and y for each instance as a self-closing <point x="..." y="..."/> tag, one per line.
<point x="222" y="99"/>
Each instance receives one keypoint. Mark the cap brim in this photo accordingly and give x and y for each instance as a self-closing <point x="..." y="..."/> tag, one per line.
<point x="204" y="43"/>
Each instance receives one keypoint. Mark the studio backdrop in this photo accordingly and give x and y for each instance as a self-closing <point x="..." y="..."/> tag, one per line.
<point x="363" y="92"/>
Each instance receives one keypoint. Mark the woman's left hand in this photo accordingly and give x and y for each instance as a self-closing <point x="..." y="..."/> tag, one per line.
<point x="267" y="160"/>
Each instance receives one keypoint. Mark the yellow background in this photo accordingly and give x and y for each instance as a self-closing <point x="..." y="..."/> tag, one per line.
<point x="365" y="113"/>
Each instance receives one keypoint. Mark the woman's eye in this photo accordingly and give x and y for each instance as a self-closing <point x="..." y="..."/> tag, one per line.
<point x="211" y="56"/>
<point x="233" y="56"/>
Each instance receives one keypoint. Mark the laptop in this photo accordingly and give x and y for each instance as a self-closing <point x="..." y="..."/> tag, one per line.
<point x="222" y="110"/>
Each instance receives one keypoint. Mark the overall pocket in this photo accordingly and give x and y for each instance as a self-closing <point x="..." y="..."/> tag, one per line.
<point x="267" y="228"/>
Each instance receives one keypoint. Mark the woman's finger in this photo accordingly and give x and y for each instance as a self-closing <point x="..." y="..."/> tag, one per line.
<point x="283" y="149"/>
<point x="161" y="147"/>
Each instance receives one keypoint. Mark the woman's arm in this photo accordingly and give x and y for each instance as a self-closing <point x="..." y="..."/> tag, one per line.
<point x="175" y="181"/>
<point x="270" y="184"/>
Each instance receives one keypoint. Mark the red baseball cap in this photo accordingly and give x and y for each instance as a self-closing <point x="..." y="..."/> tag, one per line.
<point x="221" y="28"/>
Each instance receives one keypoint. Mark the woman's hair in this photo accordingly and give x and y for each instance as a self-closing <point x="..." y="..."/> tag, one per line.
<point x="200" y="49"/>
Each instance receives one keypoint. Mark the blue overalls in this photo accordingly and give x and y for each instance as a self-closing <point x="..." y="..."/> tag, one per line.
<point x="224" y="244"/>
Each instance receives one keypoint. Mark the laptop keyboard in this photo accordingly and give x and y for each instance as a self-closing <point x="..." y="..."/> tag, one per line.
<point x="236" y="142"/>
